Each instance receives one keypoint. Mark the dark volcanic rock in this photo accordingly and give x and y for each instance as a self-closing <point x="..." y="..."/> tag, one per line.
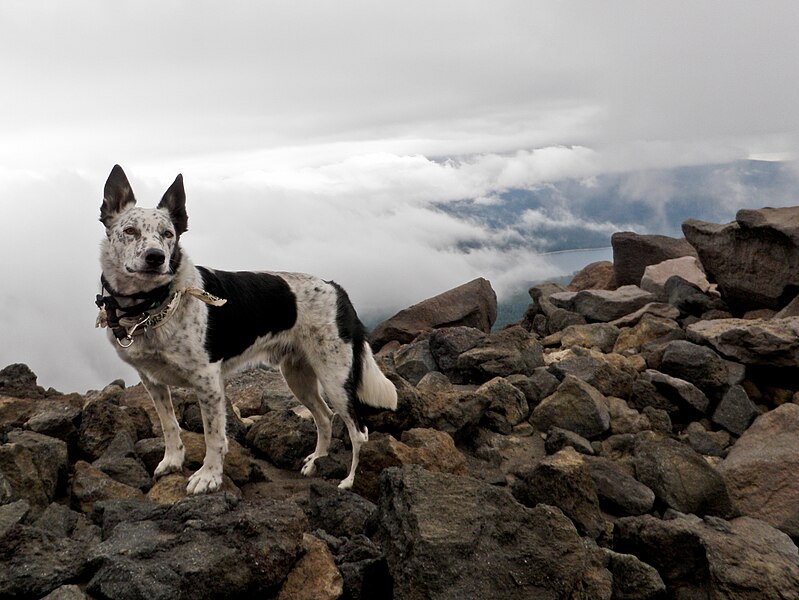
<point x="448" y="343"/>
<point x="58" y="419"/>
<point x="414" y="361"/>
<point x="455" y="537"/>
<point x="34" y="562"/>
<point x="472" y="304"/>
<point x="338" y="512"/>
<point x="735" y="411"/>
<point x="254" y="546"/>
<point x="603" y="305"/>
<point x="119" y="461"/>
<point x="576" y="406"/>
<point x="742" y="559"/>
<point x="283" y="437"/>
<point x="19" y="381"/>
<point x="668" y="393"/>
<point x="701" y="366"/>
<point x="101" y="422"/>
<point x="34" y="467"/>
<point x="562" y="480"/>
<point x="633" y="253"/>
<point x="680" y="477"/>
<point x="619" y="493"/>
<point x="754" y="260"/>
<point x="507" y="352"/>
<point x="611" y="374"/>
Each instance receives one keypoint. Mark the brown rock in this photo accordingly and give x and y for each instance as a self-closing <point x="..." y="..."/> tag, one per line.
<point x="761" y="469"/>
<point x="172" y="488"/>
<point x="754" y="259"/>
<point x="315" y="576"/>
<point x="472" y="304"/>
<point x="773" y="342"/>
<point x="90" y="485"/>
<point x="595" y="276"/>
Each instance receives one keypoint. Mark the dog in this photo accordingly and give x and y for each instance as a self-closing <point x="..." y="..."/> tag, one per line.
<point x="183" y="325"/>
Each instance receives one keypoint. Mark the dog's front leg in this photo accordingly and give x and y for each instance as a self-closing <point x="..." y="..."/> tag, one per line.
<point x="211" y="397"/>
<point x="173" y="445"/>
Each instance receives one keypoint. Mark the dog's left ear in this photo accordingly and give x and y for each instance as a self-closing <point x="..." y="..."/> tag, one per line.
<point x="174" y="202"/>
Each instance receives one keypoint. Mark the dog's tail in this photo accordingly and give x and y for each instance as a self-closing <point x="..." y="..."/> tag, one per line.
<point x="375" y="389"/>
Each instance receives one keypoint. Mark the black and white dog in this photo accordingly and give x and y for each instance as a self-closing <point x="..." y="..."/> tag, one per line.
<point x="187" y="326"/>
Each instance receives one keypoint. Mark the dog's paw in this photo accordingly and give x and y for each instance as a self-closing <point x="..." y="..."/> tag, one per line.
<point x="168" y="465"/>
<point x="205" y="481"/>
<point x="309" y="464"/>
<point x="346" y="484"/>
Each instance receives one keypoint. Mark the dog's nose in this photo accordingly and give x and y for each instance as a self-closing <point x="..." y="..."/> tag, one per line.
<point x="154" y="257"/>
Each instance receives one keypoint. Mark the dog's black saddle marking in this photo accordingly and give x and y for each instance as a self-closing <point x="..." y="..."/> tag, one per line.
<point x="257" y="304"/>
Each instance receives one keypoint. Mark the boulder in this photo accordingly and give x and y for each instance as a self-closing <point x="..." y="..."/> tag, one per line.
<point x="34" y="562"/>
<point x="472" y="304"/>
<point x="57" y="419"/>
<point x="89" y="485"/>
<point x="283" y="437"/>
<point x="600" y="336"/>
<point x="433" y="450"/>
<point x="34" y="467"/>
<point x="119" y="461"/>
<point x="455" y="537"/>
<point x="448" y="343"/>
<point x="668" y="393"/>
<point x="760" y="469"/>
<point x="633" y="252"/>
<point x="741" y="559"/>
<point x="595" y="276"/>
<point x="708" y="443"/>
<point x="619" y="493"/>
<point x="680" y="478"/>
<point x="611" y="374"/>
<point x="735" y="411"/>
<point x="700" y="366"/>
<point x="562" y="480"/>
<point x="506" y="400"/>
<point x="686" y="267"/>
<point x="656" y="309"/>
<point x="413" y="361"/>
<point x="507" y="352"/>
<point x="315" y="576"/>
<point x="19" y="381"/>
<point x="650" y="329"/>
<point x="624" y="419"/>
<point x="101" y="422"/>
<point x="339" y="513"/>
<point x="754" y="259"/>
<point x="603" y="305"/>
<point x="772" y="342"/>
<point x="559" y="439"/>
<point x="165" y="552"/>
<point x="576" y="406"/>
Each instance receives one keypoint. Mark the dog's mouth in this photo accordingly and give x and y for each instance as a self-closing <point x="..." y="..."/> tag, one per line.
<point x="149" y="271"/>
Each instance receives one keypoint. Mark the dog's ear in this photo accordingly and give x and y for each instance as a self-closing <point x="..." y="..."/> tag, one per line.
<point x="117" y="196"/>
<point x="174" y="202"/>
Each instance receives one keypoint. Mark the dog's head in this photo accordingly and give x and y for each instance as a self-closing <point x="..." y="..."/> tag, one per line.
<point x="141" y="249"/>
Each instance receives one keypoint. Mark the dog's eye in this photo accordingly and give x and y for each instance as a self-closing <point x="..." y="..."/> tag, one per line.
<point x="131" y="231"/>
<point x="168" y="234"/>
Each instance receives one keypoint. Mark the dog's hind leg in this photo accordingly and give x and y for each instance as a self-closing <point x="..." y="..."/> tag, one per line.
<point x="173" y="445"/>
<point x="211" y="397"/>
<point x="303" y="383"/>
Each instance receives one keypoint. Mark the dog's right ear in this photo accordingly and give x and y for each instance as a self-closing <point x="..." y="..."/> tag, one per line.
<point x="117" y="196"/>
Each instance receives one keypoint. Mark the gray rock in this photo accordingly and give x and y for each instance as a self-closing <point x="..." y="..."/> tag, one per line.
<point x="414" y="361"/>
<point x="576" y="406"/>
<point x="633" y="579"/>
<point x="760" y="469"/>
<point x="680" y="477"/>
<point x="34" y="466"/>
<point x="338" y="512"/>
<point x="119" y="461"/>
<point x="537" y="386"/>
<point x="619" y="493"/>
<point x="13" y="514"/>
<point x="742" y="559"/>
<point x="701" y="366"/>
<point x="454" y="537"/>
<point x="709" y="443"/>
<point x="101" y="422"/>
<point x="558" y="439"/>
<point x="472" y="304"/>
<point x="603" y="305"/>
<point x="754" y="260"/>
<point x="735" y="411"/>
<point x="688" y="298"/>
<point x="63" y="522"/>
<point x="773" y="343"/>
<point x="633" y="252"/>
<point x="58" y="419"/>
<point x="562" y="480"/>
<point x="505" y="399"/>
<point x="19" y="381"/>
<point x="34" y="562"/>
<point x="255" y="544"/>
<point x="448" y="343"/>
<point x="668" y="393"/>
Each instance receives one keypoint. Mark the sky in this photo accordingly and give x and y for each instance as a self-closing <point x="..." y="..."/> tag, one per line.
<point x="325" y="137"/>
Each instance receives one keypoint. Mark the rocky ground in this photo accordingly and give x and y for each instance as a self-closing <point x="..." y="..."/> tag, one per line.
<point x="633" y="437"/>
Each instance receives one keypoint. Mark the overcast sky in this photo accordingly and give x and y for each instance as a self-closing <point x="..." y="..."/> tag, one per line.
<point x="318" y="136"/>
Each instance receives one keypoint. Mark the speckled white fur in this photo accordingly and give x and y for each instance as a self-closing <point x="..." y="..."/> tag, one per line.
<point x="309" y="354"/>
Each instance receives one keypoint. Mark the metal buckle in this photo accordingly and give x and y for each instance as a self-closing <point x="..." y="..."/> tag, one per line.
<point x="144" y="322"/>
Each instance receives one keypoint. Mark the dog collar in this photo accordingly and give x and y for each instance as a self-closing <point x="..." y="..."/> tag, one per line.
<point x="156" y="308"/>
